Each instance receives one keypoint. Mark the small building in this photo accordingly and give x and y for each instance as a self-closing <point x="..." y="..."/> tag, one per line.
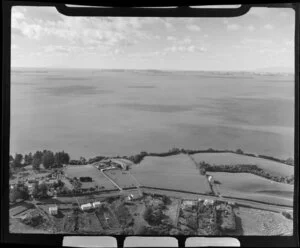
<point x="96" y="204"/>
<point x="210" y="179"/>
<point x="87" y="206"/>
<point x="130" y="197"/>
<point x="53" y="210"/>
<point x="188" y="203"/>
<point x="208" y="202"/>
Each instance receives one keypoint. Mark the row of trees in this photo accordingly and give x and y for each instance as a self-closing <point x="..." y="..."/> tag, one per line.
<point x="46" y="157"/>
<point x="243" y="168"/>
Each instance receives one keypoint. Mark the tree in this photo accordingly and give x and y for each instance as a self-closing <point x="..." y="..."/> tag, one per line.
<point x="18" y="192"/>
<point x="18" y="160"/>
<point x="57" y="160"/>
<point x="37" y="160"/>
<point x="40" y="190"/>
<point x="82" y="160"/>
<point x="48" y="159"/>
<point x="65" y="158"/>
<point x="166" y="200"/>
<point x="239" y="151"/>
<point x="28" y="159"/>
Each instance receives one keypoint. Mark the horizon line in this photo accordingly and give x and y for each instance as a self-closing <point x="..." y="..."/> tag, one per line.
<point x="258" y="70"/>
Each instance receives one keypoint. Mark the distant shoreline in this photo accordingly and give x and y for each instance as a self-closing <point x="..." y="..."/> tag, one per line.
<point x="229" y="72"/>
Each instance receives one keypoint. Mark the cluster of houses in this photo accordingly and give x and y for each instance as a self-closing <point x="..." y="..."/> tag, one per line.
<point x="88" y="206"/>
<point x="53" y="210"/>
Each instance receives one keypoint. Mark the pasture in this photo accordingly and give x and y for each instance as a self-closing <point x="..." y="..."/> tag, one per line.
<point x="272" y="167"/>
<point x="122" y="178"/>
<point x="252" y="187"/>
<point x="176" y="172"/>
<point x="88" y="171"/>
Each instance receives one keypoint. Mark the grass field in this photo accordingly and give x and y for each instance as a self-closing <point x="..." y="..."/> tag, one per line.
<point x="272" y="167"/>
<point x="260" y="222"/>
<point x="89" y="171"/>
<point x="178" y="172"/>
<point x="245" y="185"/>
<point x="172" y="172"/>
<point x="122" y="178"/>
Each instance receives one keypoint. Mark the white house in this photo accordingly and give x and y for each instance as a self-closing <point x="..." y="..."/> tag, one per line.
<point x="210" y="179"/>
<point x="208" y="202"/>
<point x="87" y="206"/>
<point x="96" y="204"/>
<point x="53" y="210"/>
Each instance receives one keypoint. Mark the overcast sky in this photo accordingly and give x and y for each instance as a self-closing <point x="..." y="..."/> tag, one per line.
<point x="263" y="38"/>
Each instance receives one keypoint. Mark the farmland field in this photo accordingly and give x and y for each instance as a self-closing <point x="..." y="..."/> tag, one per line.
<point x="122" y="178"/>
<point x="245" y="185"/>
<point x="260" y="222"/>
<point x="172" y="172"/>
<point x="89" y="171"/>
<point x="272" y="167"/>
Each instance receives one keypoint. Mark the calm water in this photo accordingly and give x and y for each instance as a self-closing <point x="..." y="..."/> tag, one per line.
<point x="89" y="112"/>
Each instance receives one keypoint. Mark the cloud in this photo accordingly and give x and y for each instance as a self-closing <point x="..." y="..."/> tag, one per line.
<point x="268" y="26"/>
<point x="92" y="32"/>
<point x="171" y="38"/>
<point x="233" y="27"/>
<point x="183" y="48"/>
<point x="289" y="43"/>
<point x="193" y="27"/>
<point x="256" y="42"/>
<point x="251" y="28"/>
<point x="59" y="49"/>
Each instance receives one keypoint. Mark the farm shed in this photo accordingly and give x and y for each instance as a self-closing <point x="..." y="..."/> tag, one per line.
<point x="53" y="210"/>
<point x="87" y="206"/>
<point x="96" y="204"/>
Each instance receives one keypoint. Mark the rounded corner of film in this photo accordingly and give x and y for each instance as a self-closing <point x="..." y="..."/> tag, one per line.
<point x="152" y="126"/>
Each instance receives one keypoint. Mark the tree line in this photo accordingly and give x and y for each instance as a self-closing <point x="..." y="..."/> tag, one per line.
<point x="244" y="168"/>
<point x="48" y="158"/>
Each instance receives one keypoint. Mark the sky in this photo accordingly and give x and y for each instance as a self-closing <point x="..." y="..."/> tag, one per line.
<point x="261" y="39"/>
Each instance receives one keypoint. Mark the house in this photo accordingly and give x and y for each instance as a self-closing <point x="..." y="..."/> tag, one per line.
<point x="53" y="210"/>
<point x="188" y="203"/>
<point x="210" y="179"/>
<point x="96" y="204"/>
<point x="208" y="202"/>
<point x="87" y="206"/>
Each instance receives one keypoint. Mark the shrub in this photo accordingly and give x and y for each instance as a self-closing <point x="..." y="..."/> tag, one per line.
<point x="239" y="151"/>
<point x="287" y="215"/>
